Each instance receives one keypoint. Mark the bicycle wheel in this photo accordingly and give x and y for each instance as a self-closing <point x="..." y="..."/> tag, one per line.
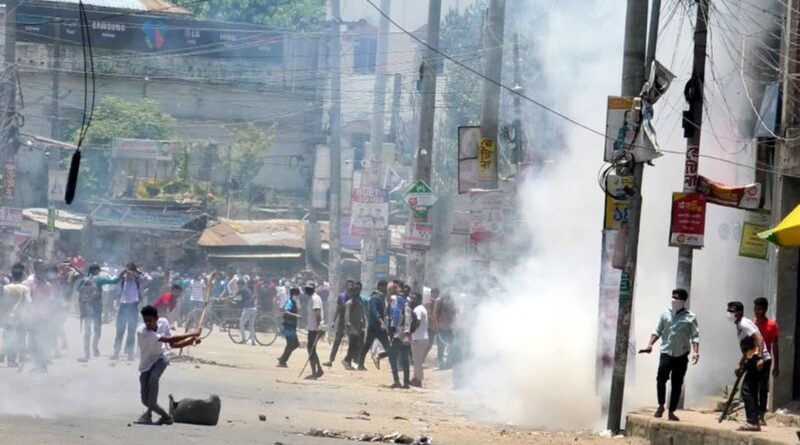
<point x="234" y="333"/>
<point x="267" y="330"/>
<point x="193" y="319"/>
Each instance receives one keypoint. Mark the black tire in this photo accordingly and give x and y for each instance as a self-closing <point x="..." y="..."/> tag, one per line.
<point x="267" y="329"/>
<point x="193" y="318"/>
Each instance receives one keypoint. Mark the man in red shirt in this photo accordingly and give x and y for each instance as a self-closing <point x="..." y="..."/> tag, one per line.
<point x="167" y="302"/>
<point x="770" y="332"/>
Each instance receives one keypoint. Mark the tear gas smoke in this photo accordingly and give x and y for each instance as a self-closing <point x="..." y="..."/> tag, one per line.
<point x="533" y="334"/>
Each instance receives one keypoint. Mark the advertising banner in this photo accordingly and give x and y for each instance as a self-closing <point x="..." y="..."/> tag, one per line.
<point x="742" y="197"/>
<point x="149" y="32"/>
<point x="349" y="241"/>
<point x="622" y="121"/>
<point x="751" y="246"/>
<point x="10" y="217"/>
<point x="487" y="163"/>
<point x="57" y="185"/>
<point x="145" y="149"/>
<point x="370" y="211"/>
<point x="418" y="236"/>
<point x="10" y="178"/>
<point x="616" y="209"/>
<point x="688" y="220"/>
<point x="468" y="140"/>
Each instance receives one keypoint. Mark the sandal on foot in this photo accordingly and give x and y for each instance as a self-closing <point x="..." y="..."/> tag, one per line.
<point x="749" y="428"/>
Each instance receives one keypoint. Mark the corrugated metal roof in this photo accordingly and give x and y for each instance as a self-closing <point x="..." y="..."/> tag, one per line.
<point x="256" y="256"/>
<point x="64" y="220"/>
<point x="133" y="5"/>
<point x="286" y="233"/>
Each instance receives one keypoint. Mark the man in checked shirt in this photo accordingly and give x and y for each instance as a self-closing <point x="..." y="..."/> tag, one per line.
<point x="679" y="334"/>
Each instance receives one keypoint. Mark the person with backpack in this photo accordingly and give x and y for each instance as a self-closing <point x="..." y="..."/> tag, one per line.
<point x="133" y="282"/>
<point x="419" y="337"/>
<point x="90" y="305"/>
<point x="400" y="331"/>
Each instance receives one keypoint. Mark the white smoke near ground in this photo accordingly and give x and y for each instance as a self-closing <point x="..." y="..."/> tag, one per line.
<point x="533" y="334"/>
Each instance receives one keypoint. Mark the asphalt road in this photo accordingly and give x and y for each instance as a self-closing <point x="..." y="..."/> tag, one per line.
<point x="95" y="403"/>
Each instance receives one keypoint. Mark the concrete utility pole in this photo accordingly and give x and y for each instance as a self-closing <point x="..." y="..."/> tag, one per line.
<point x="374" y="153"/>
<point x="416" y="258"/>
<point x="493" y="75"/>
<point x="335" y="143"/>
<point x="633" y="77"/>
<point x="692" y="123"/>
<point x="10" y="50"/>
<point x="519" y="146"/>
<point x="394" y="124"/>
<point x="55" y="133"/>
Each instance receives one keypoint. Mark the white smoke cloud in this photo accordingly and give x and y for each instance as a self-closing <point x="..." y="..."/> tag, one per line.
<point x="534" y="336"/>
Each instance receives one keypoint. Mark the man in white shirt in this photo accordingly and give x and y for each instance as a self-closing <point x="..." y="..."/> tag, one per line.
<point x="15" y="299"/>
<point x="314" y="324"/>
<point x="419" y="338"/>
<point x="198" y="292"/>
<point x="754" y="354"/>
<point x="155" y="338"/>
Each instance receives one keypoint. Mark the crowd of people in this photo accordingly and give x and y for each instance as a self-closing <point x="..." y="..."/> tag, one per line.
<point x="147" y="307"/>
<point x="402" y="323"/>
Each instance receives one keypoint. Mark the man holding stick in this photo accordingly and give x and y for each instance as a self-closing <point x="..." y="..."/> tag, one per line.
<point x="677" y="328"/>
<point x="754" y="358"/>
<point x="153" y="337"/>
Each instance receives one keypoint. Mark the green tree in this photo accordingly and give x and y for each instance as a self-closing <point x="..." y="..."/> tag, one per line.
<point x="273" y="13"/>
<point x="119" y="118"/>
<point x="250" y="144"/>
<point x="461" y="39"/>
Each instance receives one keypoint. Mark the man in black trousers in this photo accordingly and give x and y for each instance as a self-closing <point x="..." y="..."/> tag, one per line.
<point x="679" y="334"/>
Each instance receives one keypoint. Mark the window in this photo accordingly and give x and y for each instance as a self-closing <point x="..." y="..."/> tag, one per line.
<point x="365" y="55"/>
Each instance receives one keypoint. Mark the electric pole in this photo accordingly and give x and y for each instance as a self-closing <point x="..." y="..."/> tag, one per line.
<point x="53" y="153"/>
<point x="633" y="78"/>
<point x="374" y="154"/>
<point x="335" y="143"/>
<point x="519" y="144"/>
<point x="692" y="122"/>
<point x="490" y="106"/>
<point x="9" y="152"/>
<point x="416" y="258"/>
<point x="10" y="49"/>
<point x="395" y="120"/>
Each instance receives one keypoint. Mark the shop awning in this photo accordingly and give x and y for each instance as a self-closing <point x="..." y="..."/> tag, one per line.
<point x="64" y="220"/>
<point x="256" y="256"/>
<point x="787" y="233"/>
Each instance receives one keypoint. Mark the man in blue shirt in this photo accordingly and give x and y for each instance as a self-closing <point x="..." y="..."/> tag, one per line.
<point x="376" y="328"/>
<point x="678" y="331"/>
<point x="289" y="327"/>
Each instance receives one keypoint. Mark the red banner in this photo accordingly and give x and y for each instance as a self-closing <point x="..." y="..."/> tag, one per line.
<point x="742" y="197"/>
<point x="688" y="220"/>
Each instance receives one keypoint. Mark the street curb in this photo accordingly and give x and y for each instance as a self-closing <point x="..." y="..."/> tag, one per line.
<point x="659" y="432"/>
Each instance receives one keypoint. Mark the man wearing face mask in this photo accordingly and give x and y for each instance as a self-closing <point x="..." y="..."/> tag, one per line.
<point x="754" y="358"/>
<point x="678" y="330"/>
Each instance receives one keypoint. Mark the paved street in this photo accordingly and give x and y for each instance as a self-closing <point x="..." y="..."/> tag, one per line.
<point x="95" y="403"/>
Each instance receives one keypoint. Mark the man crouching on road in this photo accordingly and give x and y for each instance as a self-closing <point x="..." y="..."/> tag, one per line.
<point x="678" y="331"/>
<point x="154" y="336"/>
